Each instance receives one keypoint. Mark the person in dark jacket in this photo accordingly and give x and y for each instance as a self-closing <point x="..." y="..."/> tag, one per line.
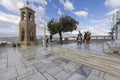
<point x="50" y="38"/>
<point x="85" y="35"/>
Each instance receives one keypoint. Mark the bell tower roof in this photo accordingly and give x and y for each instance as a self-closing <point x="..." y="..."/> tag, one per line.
<point x="26" y="8"/>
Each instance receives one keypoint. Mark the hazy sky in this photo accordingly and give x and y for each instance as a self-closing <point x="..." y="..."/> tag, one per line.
<point x="93" y="15"/>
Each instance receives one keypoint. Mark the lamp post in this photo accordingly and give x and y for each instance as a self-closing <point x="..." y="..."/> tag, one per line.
<point x="44" y="38"/>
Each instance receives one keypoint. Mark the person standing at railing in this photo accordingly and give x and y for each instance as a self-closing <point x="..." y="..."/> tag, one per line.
<point x="50" y="38"/>
<point x="88" y="38"/>
<point x="85" y="35"/>
<point x="79" y="38"/>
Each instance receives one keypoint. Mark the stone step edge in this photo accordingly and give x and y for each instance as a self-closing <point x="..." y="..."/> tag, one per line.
<point x="111" y="72"/>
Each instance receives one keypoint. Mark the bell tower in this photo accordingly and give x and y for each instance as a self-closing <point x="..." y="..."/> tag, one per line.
<point x="27" y="27"/>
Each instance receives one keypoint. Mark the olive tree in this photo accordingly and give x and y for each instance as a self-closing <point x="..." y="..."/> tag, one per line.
<point x="64" y="24"/>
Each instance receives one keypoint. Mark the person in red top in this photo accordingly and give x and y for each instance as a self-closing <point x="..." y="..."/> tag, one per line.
<point x="88" y="38"/>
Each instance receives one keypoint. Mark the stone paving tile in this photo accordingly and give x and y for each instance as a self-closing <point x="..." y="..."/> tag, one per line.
<point x="110" y="77"/>
<point x="54" y="70"/>
<point x="50" y="65"/>
<point x="93" y="77"/>
<point x="8" y="74"/>
<point x="24" y="75"/>
<point x="48" y="76"/>
<point x="21" y="70"/>
<point x="48" y="55"/>
<point x="39" y="65"/>
<point x="69" y="72"/>
<point x="13" y="78"/>
<point x="62" y="64"/>
<point x="57" y="61"/>
<point x="45" y="61"/>
<point x="97" y="75"/>
<point x="2" y="70"/>
<point x="45" y="67"/>
<point x="3" y="61"/>
<point x="44" y="52"/>
<point x="76" y="76"/>
<point x="95" y="72"/>
<point x="71" y="67"/>
<point x="0" y="56"/>
<point x="32" y="62"/>
<point x="40" y="57"/>
<point x="3" y="66"/>
<point x="36" y="76"/>
<point x="30" y="58"/>
<point x="62" y="75"/>
<point x="20" y="65"/>
<point x="64" y="60"/>
<point x="101" y="74"/>
<point x="31" y="69"/>
<point x="52" y="57"/>
<point x="13" y="62"/>
<point x="4" y="55"/>
<point x="84" y="70"/>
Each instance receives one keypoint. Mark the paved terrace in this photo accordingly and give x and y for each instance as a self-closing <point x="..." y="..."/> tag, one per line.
<point x="38" y="63"/>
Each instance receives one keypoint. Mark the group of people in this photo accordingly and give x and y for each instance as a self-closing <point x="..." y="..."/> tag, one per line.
<point x="46" y="39"/>
<point x="80" y="38"/>
<point x="83" y="39"/>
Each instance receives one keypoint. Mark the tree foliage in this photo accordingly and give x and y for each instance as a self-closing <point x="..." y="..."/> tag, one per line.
<point x="64" y="24"/>
<point x="52" y="26"/>
<point x="67" y="24"/>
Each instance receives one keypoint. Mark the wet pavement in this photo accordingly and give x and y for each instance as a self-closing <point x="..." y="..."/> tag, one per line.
<point x="93" y="47"/>
<point x="38" y="63"/>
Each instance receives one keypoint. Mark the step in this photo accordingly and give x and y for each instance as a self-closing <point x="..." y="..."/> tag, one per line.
<point x="96" y="61"/>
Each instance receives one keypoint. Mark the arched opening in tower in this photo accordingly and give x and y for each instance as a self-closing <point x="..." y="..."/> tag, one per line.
<point x="30" y="16"/>
<point x="22" y="34"/>
<point x="31" y="36"/>
<point x="24" y="16"/>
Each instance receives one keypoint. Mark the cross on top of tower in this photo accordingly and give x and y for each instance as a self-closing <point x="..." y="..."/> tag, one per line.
<point x="27" y="2"/>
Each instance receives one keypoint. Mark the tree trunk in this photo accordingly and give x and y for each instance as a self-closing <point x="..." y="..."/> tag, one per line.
<point x="60" y="34"/>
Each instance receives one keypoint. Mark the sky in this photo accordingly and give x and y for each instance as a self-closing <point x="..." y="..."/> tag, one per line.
<point x="93" y="15"/>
